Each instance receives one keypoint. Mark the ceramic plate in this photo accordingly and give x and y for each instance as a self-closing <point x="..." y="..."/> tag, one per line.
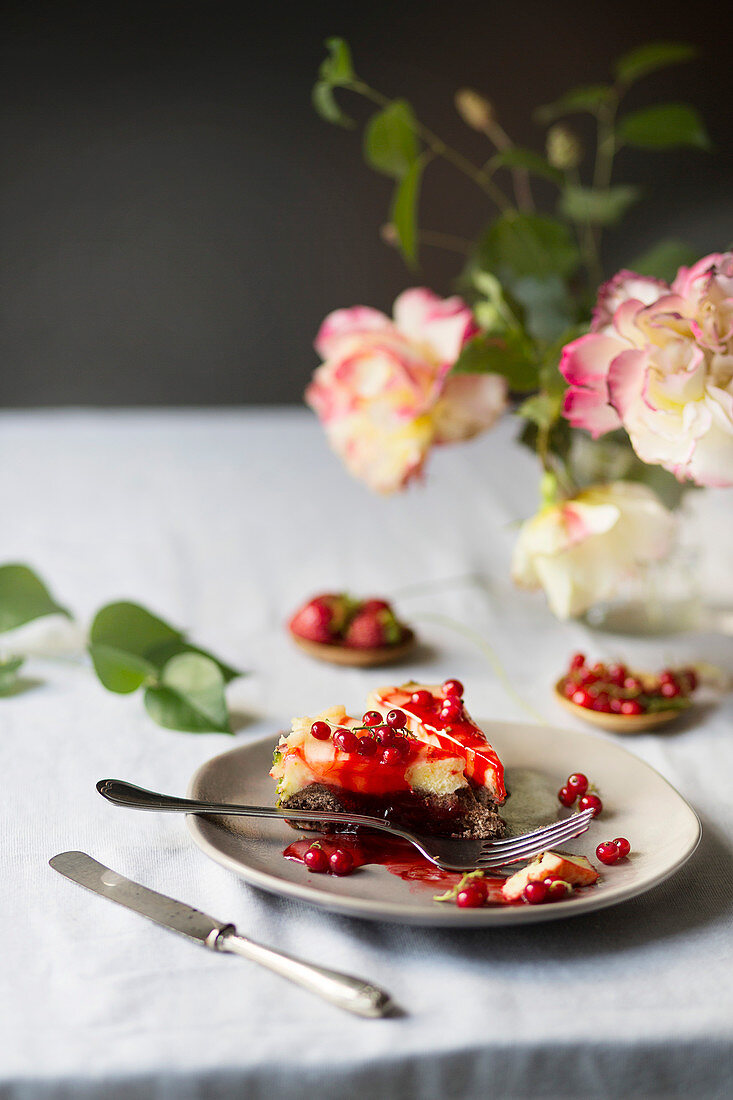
<point x="638" y="803"/>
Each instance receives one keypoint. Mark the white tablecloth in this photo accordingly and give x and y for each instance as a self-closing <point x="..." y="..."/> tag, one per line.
<point x="223" y="522"/>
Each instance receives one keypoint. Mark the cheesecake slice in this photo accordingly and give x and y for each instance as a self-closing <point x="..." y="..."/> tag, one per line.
<point x="427" y="779"/>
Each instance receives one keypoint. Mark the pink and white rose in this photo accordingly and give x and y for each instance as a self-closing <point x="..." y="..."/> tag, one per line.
<point x="659" y="363"/>
<point x="580" y="550"/>
<point x="384" y="392"/>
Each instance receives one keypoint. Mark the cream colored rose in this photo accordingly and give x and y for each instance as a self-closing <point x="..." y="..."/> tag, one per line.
<point x="580" y="549"/>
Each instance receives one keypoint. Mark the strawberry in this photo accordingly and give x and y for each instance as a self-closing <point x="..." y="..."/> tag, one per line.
<point x="371" y="628"/>
<point x="375" y="605"/>
<point x="322" y="618"/>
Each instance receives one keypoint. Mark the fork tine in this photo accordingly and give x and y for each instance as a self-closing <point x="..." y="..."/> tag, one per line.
<point x="570" y="828"/>
<point x="498" y="846"/>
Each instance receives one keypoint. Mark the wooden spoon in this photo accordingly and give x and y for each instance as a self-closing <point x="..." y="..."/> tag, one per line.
<point x="616" y="723"/>
<point x="357" y="658"/>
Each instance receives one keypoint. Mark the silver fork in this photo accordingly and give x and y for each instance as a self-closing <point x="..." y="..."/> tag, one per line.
<point x="450" y="855"/>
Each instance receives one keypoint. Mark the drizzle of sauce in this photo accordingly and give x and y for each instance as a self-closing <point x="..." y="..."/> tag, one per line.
<point x="460" y="734"/>
<point x="398" y="857"/>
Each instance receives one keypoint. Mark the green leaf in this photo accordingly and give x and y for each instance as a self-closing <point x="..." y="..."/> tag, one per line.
<point x="134" y="641"/>
<point x="527" y="159"/>
<point x="527" y="244"/>
<point x="663" y="260"/>
<point x="588" y="98"/>
<point x="162" y="653"/>
<point x="559" y="437"/>
<point x="547" y="305"/>
<point x="665" y="126"/>
<point x="403" y="214"/>
<point x="584" y="204"/>
<point x="129" y="627"/>
<point x="647" y="59"/>
<point x="24" y="597"/>
<point x="654" y="704"/>
<point x="325" y="104"/>
<point x="119" y="671"/>
<point x="543" y="409"/>
<point x="509" y="355"/>
<point x="189" y="697"/>
<point x="337" y="69"/>
<point x="390" y="144"/>
<point x="9" y="672"/>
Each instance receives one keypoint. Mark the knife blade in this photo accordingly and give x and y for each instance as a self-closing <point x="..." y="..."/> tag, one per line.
<point x="352" y="994"/>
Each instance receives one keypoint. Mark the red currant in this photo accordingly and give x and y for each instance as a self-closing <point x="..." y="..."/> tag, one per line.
<point x="402" y="744"/>
<point x="600" y="670"/>
<point x="341" y="862"/>
<point x="557" y="889"/>
<point x="602" y="702"/>
<point x="582" y="698"/>
<point x="321" y="731"/>
<point x="578" y="783"/>
<point x="397" y="719"/>
<point x="631" y="706"/>
<point x="670" y="689"/>
<point x="591" y="802"/>
<point x="632" y="684"/>
<point x="471" y="896"/>
<point x="367" y="746"/>
<point x="384" y="735"/>
<point x="608" y="852"/>
<point x="316" y="860"/>
<point x="422" y="698"/>
<point x="451" y="710"/>
<point x="453" y="687"/>
<point x="372" y="718"/>
<point x="535" y="892"/>
<point x="346" y="740"/>
<point x="391" y="755"/>
<point x="623" y="846"/>
<point x="566" y="796"/>
<point x="617" y="675"/>
<point x="577" y="661"/>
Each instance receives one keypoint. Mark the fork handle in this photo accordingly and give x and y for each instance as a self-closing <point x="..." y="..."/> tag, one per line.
<point x="121" y="793"/>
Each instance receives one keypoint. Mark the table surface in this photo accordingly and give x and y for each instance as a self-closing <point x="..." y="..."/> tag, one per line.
<point x="222" y="522"/>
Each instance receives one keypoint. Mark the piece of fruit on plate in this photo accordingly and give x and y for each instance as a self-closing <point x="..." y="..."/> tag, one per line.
<point x="387" y="765"/>
<point x="336" y="618"/>
<point x="575" y="870"/>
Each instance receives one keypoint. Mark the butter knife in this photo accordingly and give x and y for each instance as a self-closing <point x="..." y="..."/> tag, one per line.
<point x="352" y="994"/>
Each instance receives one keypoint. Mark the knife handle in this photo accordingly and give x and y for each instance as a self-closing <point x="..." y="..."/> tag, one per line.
<point x="352" y="994"/>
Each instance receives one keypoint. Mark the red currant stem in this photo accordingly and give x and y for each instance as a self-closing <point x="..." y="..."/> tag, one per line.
<point x="489" y="653"/>
<point x="452" y="894"/>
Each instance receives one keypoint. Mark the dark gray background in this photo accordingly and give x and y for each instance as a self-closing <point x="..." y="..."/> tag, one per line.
<point x="177" y="221"/>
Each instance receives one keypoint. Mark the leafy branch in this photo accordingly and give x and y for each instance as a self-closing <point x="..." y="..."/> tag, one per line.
<point x="531" y="276"/>
<point x="130" y="648"/>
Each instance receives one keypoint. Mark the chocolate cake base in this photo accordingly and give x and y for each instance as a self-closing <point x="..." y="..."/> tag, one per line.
<point x="469" y="813"/>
